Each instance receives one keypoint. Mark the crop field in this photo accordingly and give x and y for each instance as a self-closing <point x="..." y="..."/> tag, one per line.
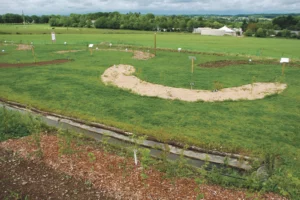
<point x="74" y="88"/>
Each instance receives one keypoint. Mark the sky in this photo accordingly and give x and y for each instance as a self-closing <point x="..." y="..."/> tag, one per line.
<point x="230" y="7"/>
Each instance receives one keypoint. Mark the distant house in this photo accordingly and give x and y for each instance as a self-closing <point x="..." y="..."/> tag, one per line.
<point x="217" y="32"/>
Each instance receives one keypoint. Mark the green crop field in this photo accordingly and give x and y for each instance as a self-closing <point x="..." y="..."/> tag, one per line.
<point x="75" y="88"/>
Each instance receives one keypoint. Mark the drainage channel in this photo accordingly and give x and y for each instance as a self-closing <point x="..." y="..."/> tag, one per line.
<point x="193" y="157"/>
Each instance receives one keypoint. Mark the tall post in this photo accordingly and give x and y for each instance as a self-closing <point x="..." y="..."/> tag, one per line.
<point x="193" y="58"/>
<point x="192" y="65"/>
<point x="283" y="65"/>
<point x="155" y="44"/>
<point x="32" y="49"/>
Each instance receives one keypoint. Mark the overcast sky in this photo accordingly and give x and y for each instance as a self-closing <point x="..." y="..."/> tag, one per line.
<point x="65" y="7"/>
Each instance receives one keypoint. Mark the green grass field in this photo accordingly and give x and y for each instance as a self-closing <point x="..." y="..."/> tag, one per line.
<point x="75" y="88"/>
<point x="40" y="34"/>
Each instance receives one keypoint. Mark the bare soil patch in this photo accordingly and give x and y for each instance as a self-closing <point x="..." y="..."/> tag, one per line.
<point x="117" y="177"/>
<point x="50" y="62"/>
<point x="67" y="51"/>
<point x="23" y="47"/>
<point x="140" y="55"/>
<point x="21" y="178"/>
<point x="121" y="76"/>
<point x="225" y="63"/>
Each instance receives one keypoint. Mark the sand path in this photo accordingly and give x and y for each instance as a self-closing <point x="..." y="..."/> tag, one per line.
<point x="121" y="76"/>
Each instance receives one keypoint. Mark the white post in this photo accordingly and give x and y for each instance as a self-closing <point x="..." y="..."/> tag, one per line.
<point x="135" y="157"/>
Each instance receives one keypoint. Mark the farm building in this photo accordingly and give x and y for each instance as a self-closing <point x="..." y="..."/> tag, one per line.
<point x="217" y="32"/>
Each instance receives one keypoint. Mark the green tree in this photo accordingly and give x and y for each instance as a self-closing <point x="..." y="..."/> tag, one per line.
<point x="248" y="33"/>
<point x="260" y="33"/>
<point x="100" y="22"/>
<point x="44" y="19"/>
<point x="89" y="23"/>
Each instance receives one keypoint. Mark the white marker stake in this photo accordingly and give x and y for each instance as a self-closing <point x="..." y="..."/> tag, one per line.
<point x="65" y="43"/>
<point x="53" y="37"/>
<point x="110" y="44"/>
<point x="179" y="49"/>
<point x="135" y="157"/>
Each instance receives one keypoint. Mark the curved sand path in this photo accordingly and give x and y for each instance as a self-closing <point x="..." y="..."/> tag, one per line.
<point x="121" y="76"/>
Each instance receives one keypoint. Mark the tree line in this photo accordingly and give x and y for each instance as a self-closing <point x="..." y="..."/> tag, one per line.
<point x="16" y="18"/>
<point x="280" y="26"/>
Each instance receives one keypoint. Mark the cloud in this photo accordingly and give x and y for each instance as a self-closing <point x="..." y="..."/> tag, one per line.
<point x="40" y="7"/>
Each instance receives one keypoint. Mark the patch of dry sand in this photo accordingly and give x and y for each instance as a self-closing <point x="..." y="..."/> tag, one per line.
<point x="140" y="55"/>
<point x="121" y="76"/>
<point x="67" y="51"/>
<point x="24" y="47"/>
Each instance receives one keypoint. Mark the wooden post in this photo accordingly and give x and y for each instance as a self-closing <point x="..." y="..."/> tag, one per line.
<point x="32" y="49"/>
<point x="155" y="44"/>
<point x="192" y="65"/>
<point x="283" y="68"/>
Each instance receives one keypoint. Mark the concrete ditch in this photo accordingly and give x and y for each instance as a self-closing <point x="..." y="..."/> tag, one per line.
<point x="194" y="155"/>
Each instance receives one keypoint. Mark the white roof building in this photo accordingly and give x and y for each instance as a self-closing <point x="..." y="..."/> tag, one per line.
<point x="217" y="32"/>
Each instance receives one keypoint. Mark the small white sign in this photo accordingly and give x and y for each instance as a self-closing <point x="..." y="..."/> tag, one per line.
<point x="91" y="45"/>
<point x="65" y="42"/>
<point x="96" y="48"/>
<point x="179" y="49"/>
<point x="53" y="36"/>
<point x="284" y="60"/>
<point x="3" y="50"/>
<point x="110" y="44"/>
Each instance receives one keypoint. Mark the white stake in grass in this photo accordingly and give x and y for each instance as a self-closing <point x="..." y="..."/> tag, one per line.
<point x="135" y="157"/>
<point x="53" y="38"/>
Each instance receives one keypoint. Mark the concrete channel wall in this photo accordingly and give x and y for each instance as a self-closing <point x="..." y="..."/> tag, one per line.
<point x="196" y="156"/>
